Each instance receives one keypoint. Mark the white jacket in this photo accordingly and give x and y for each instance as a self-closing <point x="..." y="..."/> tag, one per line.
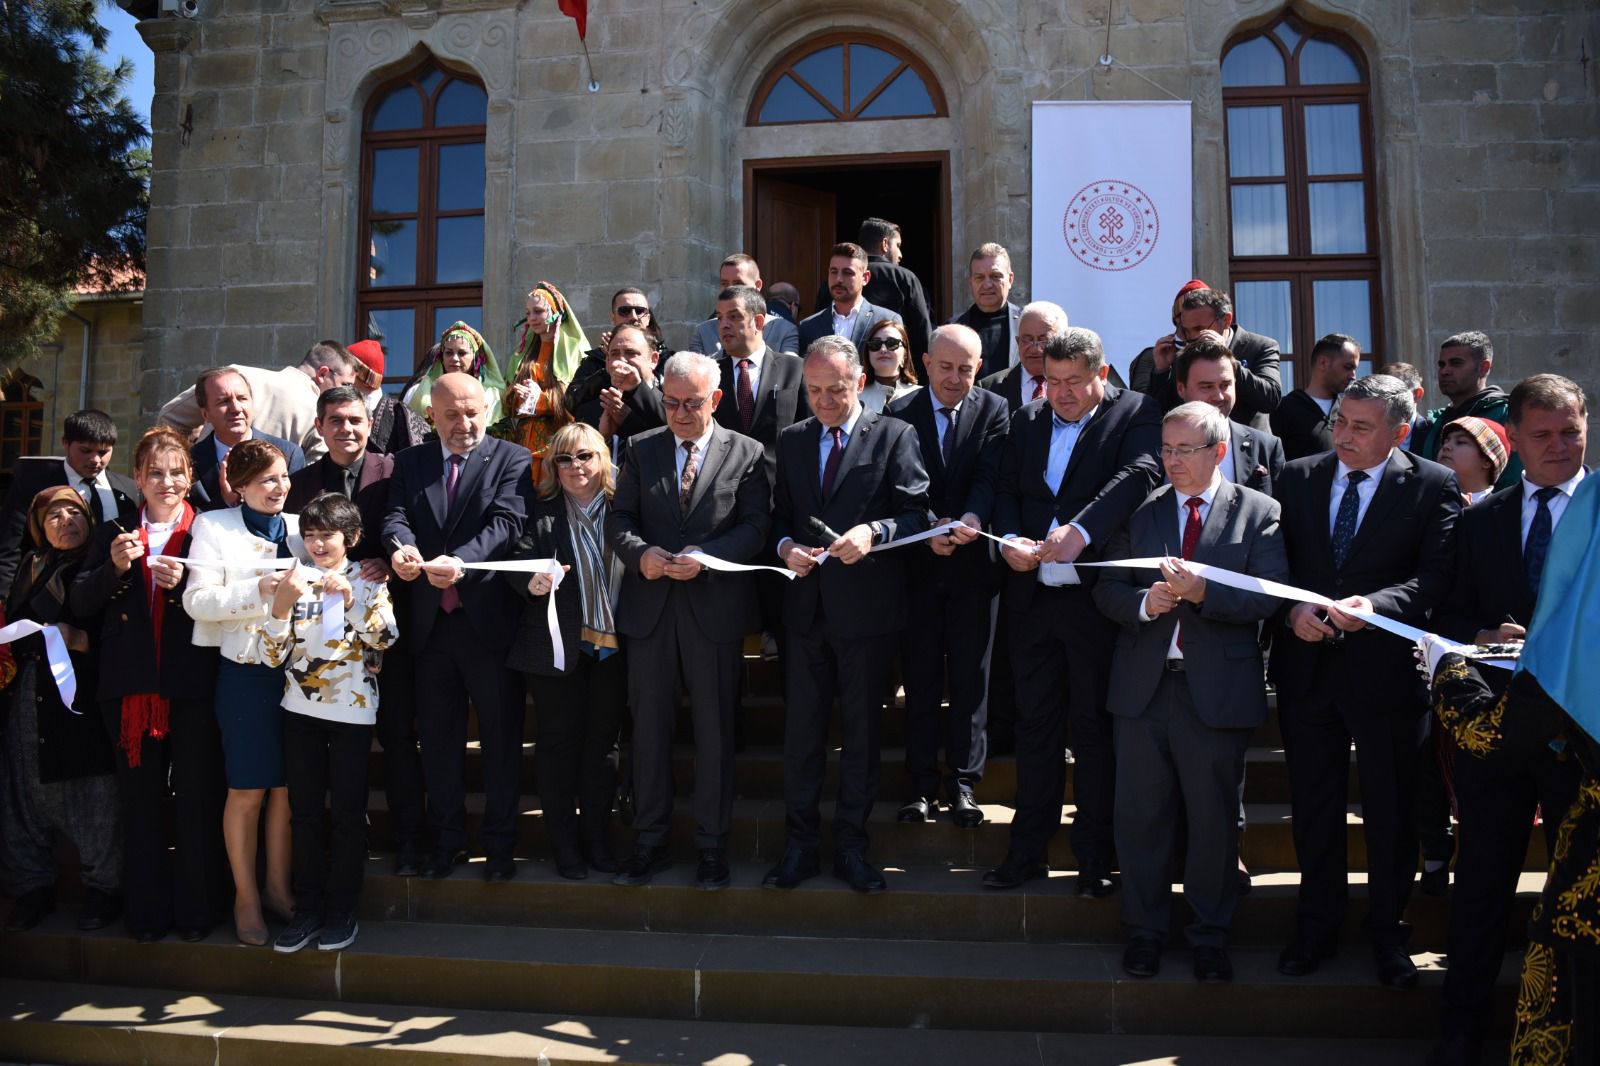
<point x="226" y="604"/>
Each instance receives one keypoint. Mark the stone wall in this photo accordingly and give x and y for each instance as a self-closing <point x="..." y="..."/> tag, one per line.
<point x="1488" y="168"/>
<point x="116" y="351"/>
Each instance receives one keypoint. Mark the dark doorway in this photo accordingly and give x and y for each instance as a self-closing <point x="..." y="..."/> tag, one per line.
<point x="796" y="209"/>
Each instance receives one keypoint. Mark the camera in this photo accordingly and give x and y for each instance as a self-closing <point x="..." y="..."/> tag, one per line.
<point x="188" y="9"/>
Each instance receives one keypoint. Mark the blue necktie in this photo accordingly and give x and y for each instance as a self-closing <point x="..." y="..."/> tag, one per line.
<point x="1538" y="545"/>
<point x="1344" y="526"/>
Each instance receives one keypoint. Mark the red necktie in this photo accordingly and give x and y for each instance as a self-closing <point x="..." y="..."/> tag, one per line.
<point x="831" y="467"/>
<point x="450" y="599"/>
<point x="1038" y="389"/>
<point x="746" y="397"/>
<point x="1191" y="537"/>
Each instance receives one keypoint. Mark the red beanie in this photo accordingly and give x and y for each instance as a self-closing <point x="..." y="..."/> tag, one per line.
<point x="1191" y="286"/>
<point x="370" y="353"/>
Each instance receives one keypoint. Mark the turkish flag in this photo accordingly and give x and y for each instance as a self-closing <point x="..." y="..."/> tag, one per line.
<point x="578" y="10"/>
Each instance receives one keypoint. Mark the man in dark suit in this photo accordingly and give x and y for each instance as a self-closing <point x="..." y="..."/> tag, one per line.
<point x="777" y="333"/>
<point x="1023" y="381"/>
<point x="892" y="286"/>
<point x="225" y="404"/>
<point x="992" y="315"/>
<point x="1188" y="692"/>
<point x="953" y="585"/>
<point x="690" y="486"/>
<point x="1372" y="528"/>
<point x="1499" y="559"/>
<point x="631" y="368"/>
<point x="88" y="439"/>
<point x="849" y="315"/>
<point x="352" y="470"/>
<point x="463" y="499"/>
<point x="843" y="469"/>
<point x="1208" y="372"/>
<point x="1076" y="465"/>
<point x="1204" y="312"/>
<point x="1304" y="419"/>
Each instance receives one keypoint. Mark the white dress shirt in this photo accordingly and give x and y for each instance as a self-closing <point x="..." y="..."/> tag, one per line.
<point x="824" y="448"/>
<point x="680" y="456"/>
<point x="1173" y="651"/>
<point x="757" y="357"/>
<point x="1364" y="492"/>
<point x="1557" y="504"/>
<point x="941" y="421"/>
<point x="102" y="488"/>
<point x="844" y="325"/>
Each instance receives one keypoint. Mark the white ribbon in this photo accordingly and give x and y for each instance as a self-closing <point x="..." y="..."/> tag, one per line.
<point x="55" y="651"/>
<point x="552" y="567"/>
<point x="230" y="564"/>
<point x="332" y="617"/>
<point x="711" y="562"/>
<point x="901" y="542"/>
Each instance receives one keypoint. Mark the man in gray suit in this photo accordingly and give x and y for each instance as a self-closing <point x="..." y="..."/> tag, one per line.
<point x="1186" y="688"/>
<point x="1206" y="371"/>
<point x="690" y="485"/>
<point x="777" y="333"/>
<point x="850" y="315"/>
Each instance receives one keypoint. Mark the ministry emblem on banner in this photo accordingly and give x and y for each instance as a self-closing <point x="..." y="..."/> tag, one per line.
<point x="1111" y="225"/>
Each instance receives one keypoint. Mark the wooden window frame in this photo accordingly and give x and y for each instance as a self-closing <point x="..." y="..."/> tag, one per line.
<point x="786" y="63"/>
<point x="1301" y="267"/>
<point x="425" y="294"/>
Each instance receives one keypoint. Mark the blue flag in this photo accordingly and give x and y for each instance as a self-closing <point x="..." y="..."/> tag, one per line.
<point x="1563" y="648"/>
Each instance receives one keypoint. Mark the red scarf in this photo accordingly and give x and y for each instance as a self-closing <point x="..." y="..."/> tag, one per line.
<point x="149" y="712"/>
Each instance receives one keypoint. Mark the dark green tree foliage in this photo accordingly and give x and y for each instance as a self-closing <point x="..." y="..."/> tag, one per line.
<point x="74" y="173"/>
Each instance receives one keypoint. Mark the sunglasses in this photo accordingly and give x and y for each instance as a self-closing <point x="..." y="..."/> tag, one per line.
<point x="690" y="405"/>
<point x="563" y="459"/>
<point x="636" y="312"/>
<point x="878" y="344"/>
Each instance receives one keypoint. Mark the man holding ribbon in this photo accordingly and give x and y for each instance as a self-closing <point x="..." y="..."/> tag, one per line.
<point x="1373" y="528"/>
<point x="693" y="486"/>
<point x="848" y="481"/>
<point x="462" y="500"/>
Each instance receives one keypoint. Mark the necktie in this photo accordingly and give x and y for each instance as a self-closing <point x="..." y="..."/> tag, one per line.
<point x="686" y="480"/>
<point x="1344" y="526"/>
<point x="1191" y="537"/>
<point x="949" y="444"/>
<point x="1038" y="390"/>
<point x="746" y="397"/>
<point x="450" y="599"/>
<point x="831" y="467"/>
<point x="91" y="496"/>
<point x="1538" y="544"/>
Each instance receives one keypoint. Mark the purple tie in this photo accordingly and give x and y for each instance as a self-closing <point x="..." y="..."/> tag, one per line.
<point x="450" y="599"/>
<point x="831" y="467"/>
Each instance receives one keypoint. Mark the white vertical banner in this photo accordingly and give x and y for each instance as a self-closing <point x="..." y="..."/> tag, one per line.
<point x="1113" y="223"/>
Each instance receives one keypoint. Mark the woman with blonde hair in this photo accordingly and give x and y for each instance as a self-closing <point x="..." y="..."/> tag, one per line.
<point x="579" y="705"/>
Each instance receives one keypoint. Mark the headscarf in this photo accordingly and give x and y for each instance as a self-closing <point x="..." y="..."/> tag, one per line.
<point x="485" y="367"/>
<point x="47" y="563"/>
<point x="1560" y="650"/>
<point x="567" y="348"/>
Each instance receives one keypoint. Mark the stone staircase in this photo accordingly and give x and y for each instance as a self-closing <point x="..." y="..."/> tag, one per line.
<point x="938" y="968"/>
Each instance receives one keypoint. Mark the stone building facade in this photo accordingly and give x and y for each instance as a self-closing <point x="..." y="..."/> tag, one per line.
<point x="1485" y="152"/>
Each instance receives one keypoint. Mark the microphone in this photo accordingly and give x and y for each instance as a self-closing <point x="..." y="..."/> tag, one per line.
<point x="817" y="527"/>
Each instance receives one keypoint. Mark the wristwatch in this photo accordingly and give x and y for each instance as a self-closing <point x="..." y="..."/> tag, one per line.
<point x="877" y="533"/>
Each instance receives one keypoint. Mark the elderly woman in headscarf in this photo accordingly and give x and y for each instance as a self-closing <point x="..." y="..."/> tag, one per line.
<point x="57" y="778"/>
<point x="551" y="346"/>
<point x="461" y="350"/>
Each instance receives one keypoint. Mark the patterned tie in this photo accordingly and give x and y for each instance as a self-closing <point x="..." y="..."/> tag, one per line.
<point x="1538" y="544"/>
<point x="949" y="444"/>
<point x="1038" y="390"/>
<point x="450" y="599"/>
<point x="1344" y="526"/>
<point x="91" y="496"/>
<point x="1191" y="537"/>
<point x="831" y="467"/>
<point x="691" y="460"/>
<point x="746" y="397"/>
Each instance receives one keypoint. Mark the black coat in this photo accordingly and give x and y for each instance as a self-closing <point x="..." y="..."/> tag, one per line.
<point x="1490" y="584"/>
<point x="1302" y="426"/>
<point x="545" y="535"/>
<point x="205" y="493"/>
<point x="1258" y="387"/>
<point x="33" y="474"/>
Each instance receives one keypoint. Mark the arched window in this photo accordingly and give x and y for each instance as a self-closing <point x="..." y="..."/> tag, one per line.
<point x="420" y="265"/>
<point x="1304" y="259"/>
<point x="846" y="78"/>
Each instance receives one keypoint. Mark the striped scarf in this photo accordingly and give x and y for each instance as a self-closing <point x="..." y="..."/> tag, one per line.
<point x="597" y="575"/>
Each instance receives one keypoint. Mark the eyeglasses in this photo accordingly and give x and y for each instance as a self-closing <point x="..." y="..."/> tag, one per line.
<point x="563" y="459"/>
<point x="1169" y="452"/>
<point x="689" y="405"/>
<point x="636" y="312"/>
<point x="1025" y="340"/>
<point x="878" y="344"/>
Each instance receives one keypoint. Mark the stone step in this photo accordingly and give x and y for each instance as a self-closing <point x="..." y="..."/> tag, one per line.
<point x="951" y="901"/>
<point x="435" y="969"/>
<point x="106" y="1025"/>
<point x="759" y="774"/>
<point x="758" y="835"/>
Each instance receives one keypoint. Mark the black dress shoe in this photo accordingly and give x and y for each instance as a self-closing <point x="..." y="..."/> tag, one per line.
<point x="148" y="936"/>
<point x="965" y="812"/>
<point x="408" y="860"/>
<point x="570" y="864"/>
<point x="498" y="869"/>
<point x="99" y="909"/>
<point x="194" y="935"/>
<point x="713" y="869"/>
<point x="854" y="870"/>
<point x="1142" y="957"/>
<point x="1212" y="965"/>
<point x="1094" y="884"/>
<point x="1301" y="958"/>
<point x="1435" y="882"/>
<point x="797" y="865"/>
<point x="597" y="853"/>
<point x="917" y="810"/>
<point x="1395" y="968"/>
<point x="1014" y="871"/>
<point x="442" y="863"/>
<point x="642" y="866"/>
<point x="30" y="909"/>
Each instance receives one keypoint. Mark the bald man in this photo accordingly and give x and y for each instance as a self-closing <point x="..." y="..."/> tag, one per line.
<point x="462" y="499"/>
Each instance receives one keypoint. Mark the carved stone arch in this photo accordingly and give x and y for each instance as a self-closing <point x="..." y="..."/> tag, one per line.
<point x="366" y="54"/>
